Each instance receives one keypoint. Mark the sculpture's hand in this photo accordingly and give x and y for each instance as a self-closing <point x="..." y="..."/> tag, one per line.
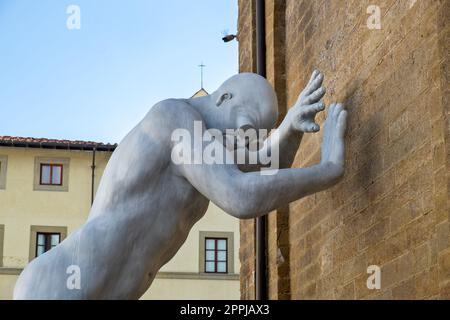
<point x="303" y="113"/>
<point x="333" y="138"/>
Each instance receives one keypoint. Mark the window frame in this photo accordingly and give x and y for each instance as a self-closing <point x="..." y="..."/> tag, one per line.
<point x="3" y="171"/>
<point x="47" y="242"/>
<point x="51" y="165"/>
<point x="40" y="162"/>
<point x="34" y="230"/>
<point x="229" y="236"/>
<point x="216" y="250"/>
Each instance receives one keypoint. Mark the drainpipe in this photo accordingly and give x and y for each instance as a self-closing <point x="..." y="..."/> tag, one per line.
<point x="93" y="175"/>
<point x="261" y="222"/>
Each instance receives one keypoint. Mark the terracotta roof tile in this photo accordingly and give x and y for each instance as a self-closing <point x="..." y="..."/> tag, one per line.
<point x="54" y="143"/>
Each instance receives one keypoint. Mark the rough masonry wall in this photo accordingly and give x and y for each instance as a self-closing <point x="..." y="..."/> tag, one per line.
<point x="247" y="63"/>
<point x="278" y="222"/>
<point x="278" y="272"/>
<point x="392" y="207"/>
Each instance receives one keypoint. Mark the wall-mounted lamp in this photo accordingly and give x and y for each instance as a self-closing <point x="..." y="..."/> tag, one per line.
<point x="230" y="37"/>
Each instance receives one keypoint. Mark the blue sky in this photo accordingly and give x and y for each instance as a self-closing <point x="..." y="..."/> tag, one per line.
<point x="97" y="82"/>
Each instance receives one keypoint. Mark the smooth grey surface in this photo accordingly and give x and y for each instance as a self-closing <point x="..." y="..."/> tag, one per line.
<point x="146" y="204"/>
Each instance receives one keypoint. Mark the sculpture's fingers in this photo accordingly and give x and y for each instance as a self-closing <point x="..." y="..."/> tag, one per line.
<point x="333" y="122"/>
<point x="314" y="85"/>
<point x="313" y="127"/>
<point x="336" y="132"/>
<point x="326" y="131"/>
<point x="338" y="153"/>
<point x="315" y="96"/>
<point x="314" y="74"/>
<point x="337" y="109"/>
<point x="330" y="116"/>
<point x="305" y="91"/>
<point x="312" y="109"/>
<point x="342" y="124"/>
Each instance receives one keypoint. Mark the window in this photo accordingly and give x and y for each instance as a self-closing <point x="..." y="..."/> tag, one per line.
<point x="3" y="164"/>
<point x="51" y="174"/>
<point x="43" y="238"/>
<point x="216" y="255"/>
<point x="45" y="241"/>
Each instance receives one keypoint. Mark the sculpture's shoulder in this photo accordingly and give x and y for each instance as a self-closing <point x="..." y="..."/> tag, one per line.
<point x="167" y="116"/>
<point x="178" y="111"/>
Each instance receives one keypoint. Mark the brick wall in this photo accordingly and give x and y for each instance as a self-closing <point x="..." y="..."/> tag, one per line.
<point x="247" y="63"/>
<point x="392" y="207"/>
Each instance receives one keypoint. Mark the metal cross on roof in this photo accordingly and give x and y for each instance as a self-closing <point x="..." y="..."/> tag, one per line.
<point x="201" y="65"/>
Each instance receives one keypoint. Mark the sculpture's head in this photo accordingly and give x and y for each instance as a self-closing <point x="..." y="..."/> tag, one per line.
<point x="245" y="100"/>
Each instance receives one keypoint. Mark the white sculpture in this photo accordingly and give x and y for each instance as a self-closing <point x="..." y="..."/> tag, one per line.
<point x="147" y="203"/>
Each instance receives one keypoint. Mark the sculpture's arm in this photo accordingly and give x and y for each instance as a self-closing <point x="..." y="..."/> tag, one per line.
<point x="299" y="119"/>
<point x="252" y="194"/>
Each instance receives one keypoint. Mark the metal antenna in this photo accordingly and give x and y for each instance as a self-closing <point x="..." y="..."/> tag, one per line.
<point x="201" y="65"/>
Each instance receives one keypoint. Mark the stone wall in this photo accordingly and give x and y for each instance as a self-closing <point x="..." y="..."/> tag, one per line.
<point x="392" y="207"/>
<point x="247" y="63"/>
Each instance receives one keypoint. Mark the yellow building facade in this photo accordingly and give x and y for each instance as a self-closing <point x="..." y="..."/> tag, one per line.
<point x="46" y="190"/>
